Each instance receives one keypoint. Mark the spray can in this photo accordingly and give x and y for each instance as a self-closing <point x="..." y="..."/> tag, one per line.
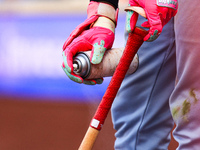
<point x="84" y="68"/>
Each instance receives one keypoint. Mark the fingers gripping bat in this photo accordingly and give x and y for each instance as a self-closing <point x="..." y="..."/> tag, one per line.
<point x="135" y="40"/>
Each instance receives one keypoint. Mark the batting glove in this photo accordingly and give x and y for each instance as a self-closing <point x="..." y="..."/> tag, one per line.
<point x="96" y="33"/>
<point x="158" y="13"/>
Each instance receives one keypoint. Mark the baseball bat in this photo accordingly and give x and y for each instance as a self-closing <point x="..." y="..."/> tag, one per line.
<point x="135" y="40"/>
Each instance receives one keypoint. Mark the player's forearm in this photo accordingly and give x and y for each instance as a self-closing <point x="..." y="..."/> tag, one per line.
<point x="114" y="3"/>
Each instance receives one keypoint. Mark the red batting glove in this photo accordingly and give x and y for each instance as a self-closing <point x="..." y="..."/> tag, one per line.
<point x="158" y="13"/>
<point x="96" y="33"/>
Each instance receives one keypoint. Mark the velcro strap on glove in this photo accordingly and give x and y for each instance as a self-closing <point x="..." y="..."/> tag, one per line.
<point x="102" y="9"/>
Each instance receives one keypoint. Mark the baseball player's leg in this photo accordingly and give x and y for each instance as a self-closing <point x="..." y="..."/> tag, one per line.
<point x="140" y="112"/>
<point x="185" y="99"/>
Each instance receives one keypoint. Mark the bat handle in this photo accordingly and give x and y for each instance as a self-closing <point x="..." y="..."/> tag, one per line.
<point x="89" y="139"/>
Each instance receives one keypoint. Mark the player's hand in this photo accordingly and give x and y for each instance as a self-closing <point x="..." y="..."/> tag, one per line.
<point x="96" y="33"/>
<point x="158" y="13"/>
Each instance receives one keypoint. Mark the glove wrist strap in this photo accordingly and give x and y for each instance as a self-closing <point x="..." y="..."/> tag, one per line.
<point x="106" y="23"/>
<point x="102" y="9"/>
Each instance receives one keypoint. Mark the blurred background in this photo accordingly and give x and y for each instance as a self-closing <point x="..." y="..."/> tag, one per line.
<point x="40" y="108"/>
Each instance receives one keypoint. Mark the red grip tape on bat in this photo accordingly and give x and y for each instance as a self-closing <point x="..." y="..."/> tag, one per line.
<point x="135" y="40"/>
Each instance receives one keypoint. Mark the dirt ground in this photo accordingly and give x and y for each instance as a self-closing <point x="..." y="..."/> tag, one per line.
<point x="44" y="125"/>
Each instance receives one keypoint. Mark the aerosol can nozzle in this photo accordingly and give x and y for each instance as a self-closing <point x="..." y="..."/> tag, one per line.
<point x="82" y="65"/>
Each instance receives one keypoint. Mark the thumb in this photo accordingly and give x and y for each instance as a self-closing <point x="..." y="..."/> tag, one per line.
<point x="97" y="53"/>
<point x="131" y="20"/>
